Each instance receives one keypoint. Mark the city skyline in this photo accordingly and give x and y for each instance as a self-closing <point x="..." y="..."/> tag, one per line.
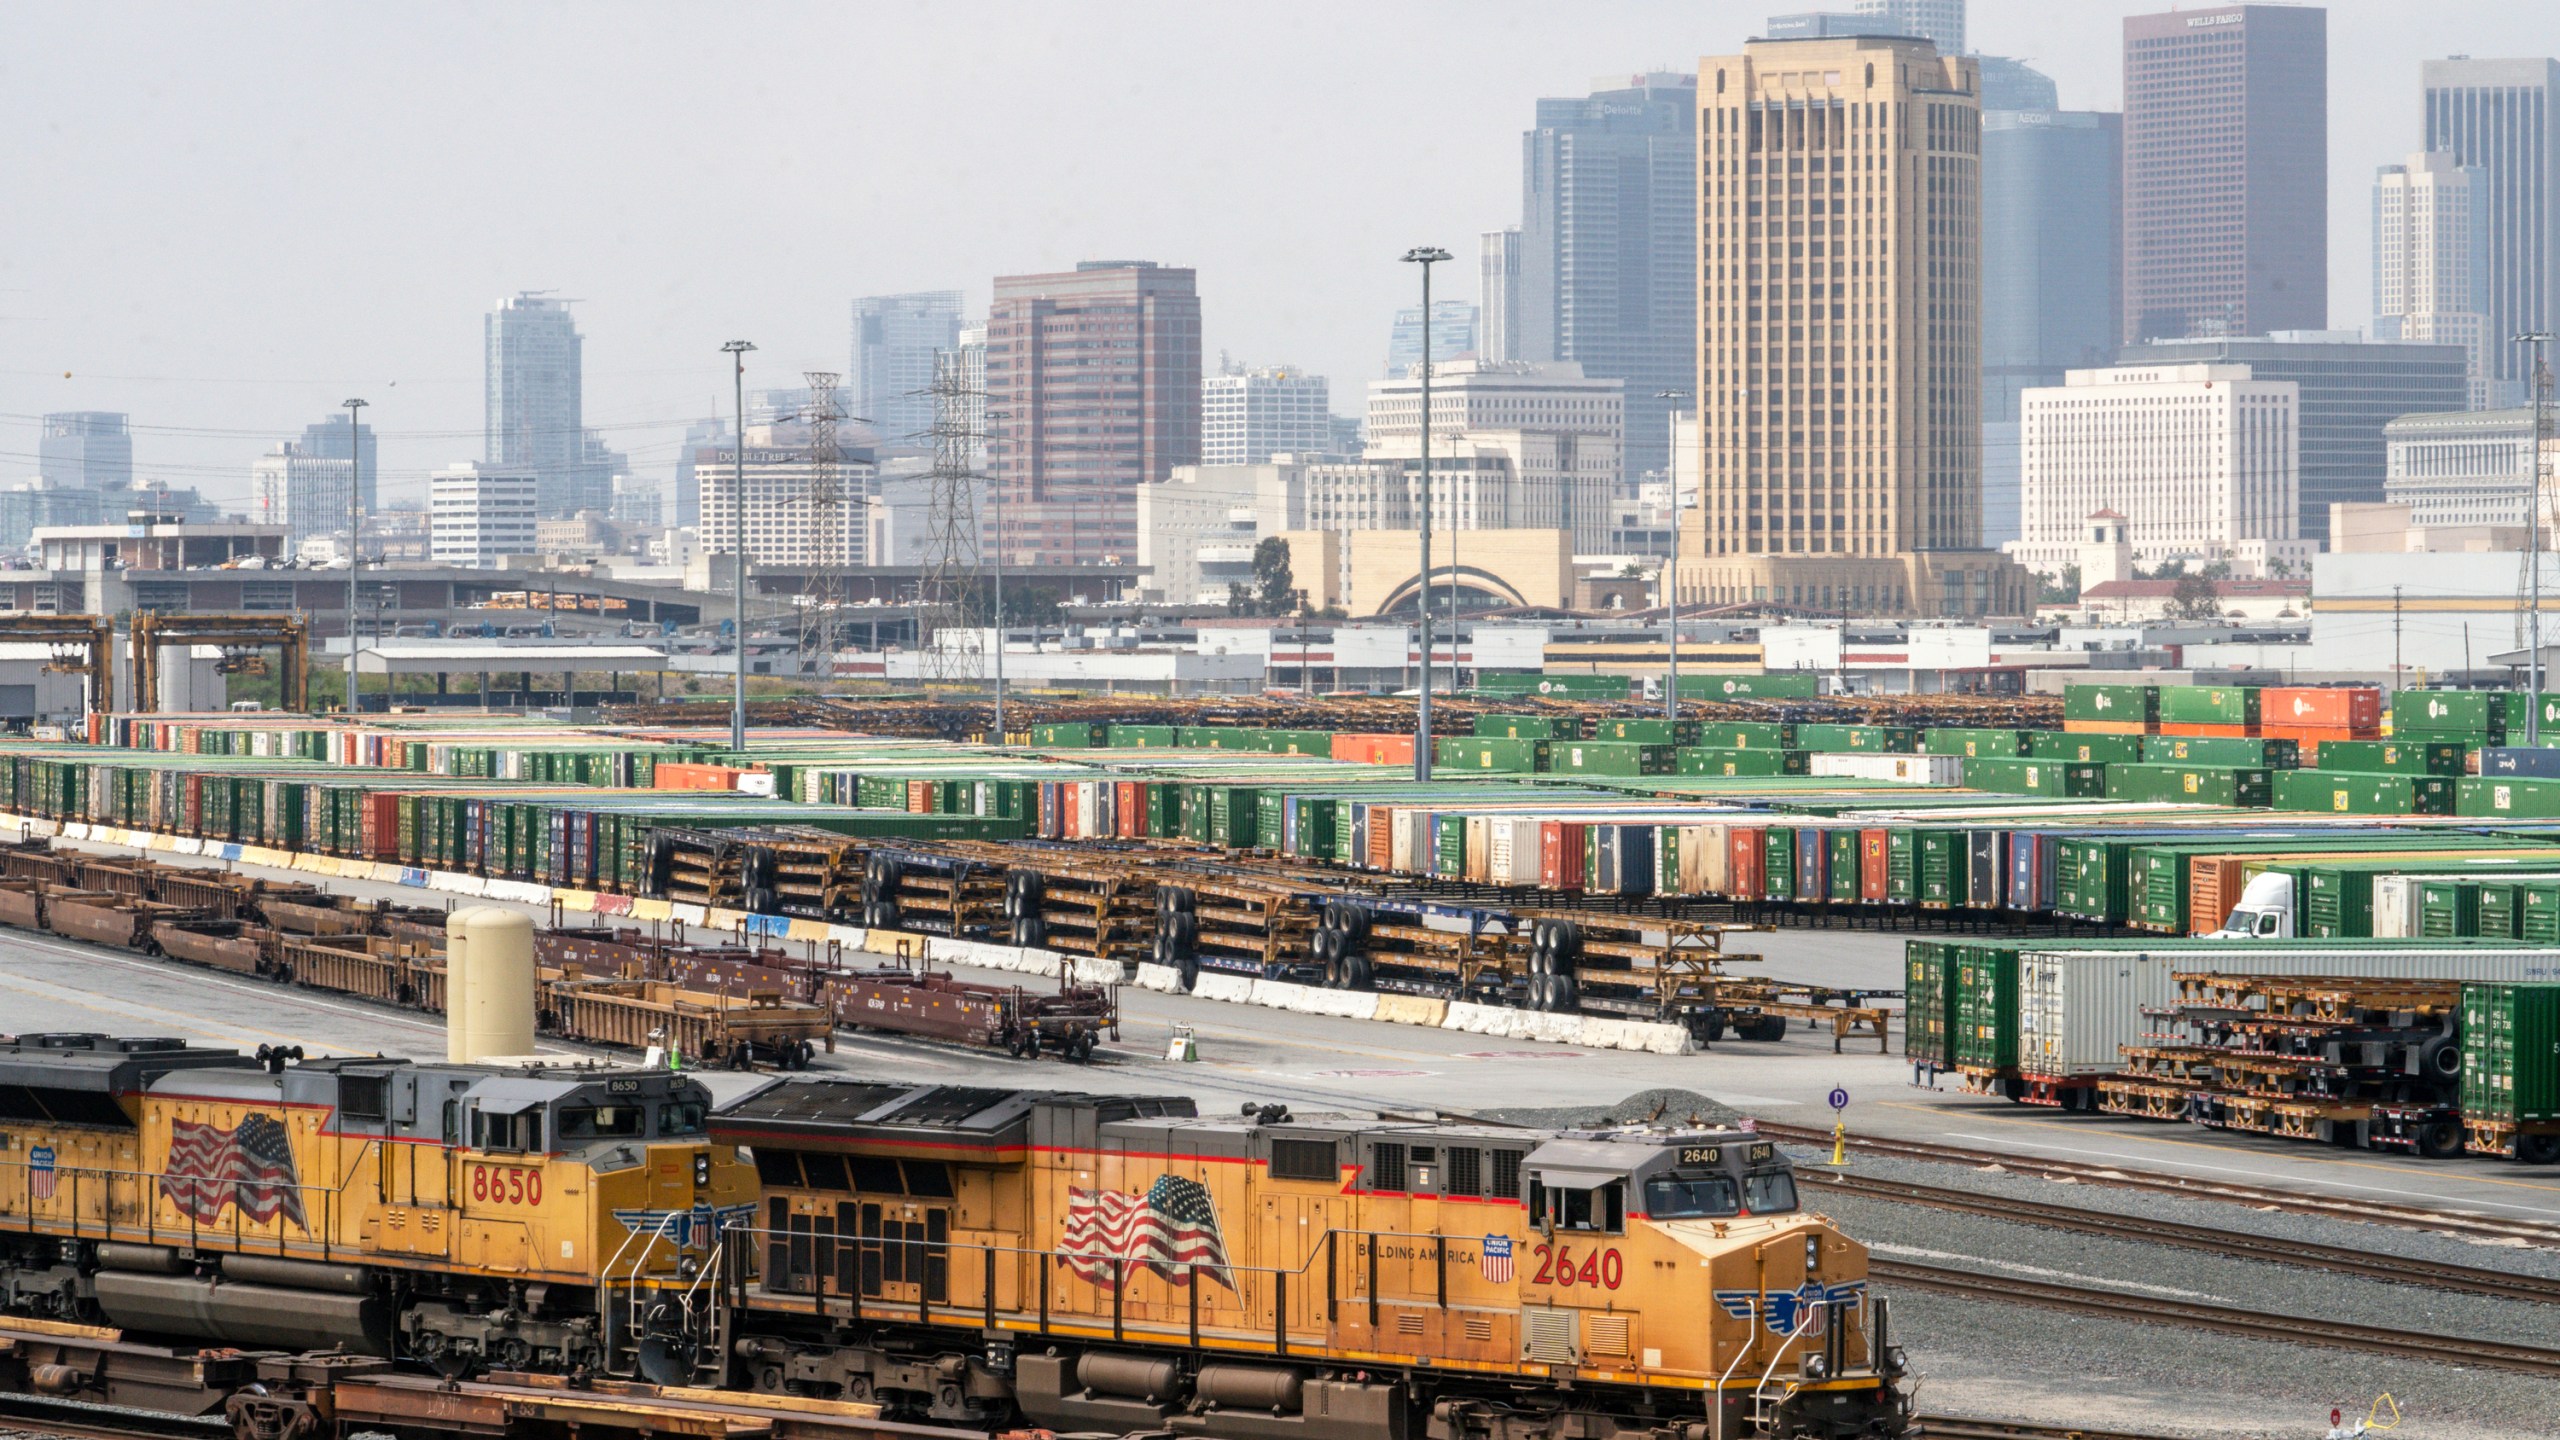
<point x="221" y="337"/>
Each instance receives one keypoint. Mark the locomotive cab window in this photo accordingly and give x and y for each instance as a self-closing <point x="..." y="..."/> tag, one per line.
<point x="519" y="1130"/>
<point x="1769" y="1192"/>
<point x="685" y="1117"/>
<point x="600" y="1122"/>
<point x="1691" y="1197"/>
<point x="1600" y="1210"/>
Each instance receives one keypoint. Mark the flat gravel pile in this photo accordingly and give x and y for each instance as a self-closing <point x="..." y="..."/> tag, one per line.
<point x="1666" y="1107"/>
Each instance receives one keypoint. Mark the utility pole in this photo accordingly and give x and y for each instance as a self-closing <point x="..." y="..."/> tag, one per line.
<point x="2533" y="531"/>
<point x="355" y="541"/>
<point x="737" y="350"/>
<point x="2395" y="637"/>
<point x="1671" y="569"/>
<point x="1427" y="256"/>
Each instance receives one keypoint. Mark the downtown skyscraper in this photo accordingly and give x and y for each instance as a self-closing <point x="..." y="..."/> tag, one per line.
<point x="1608" y="246"/>
<point x="535" y="403"/>
<point x="1839" y="372"/>
<point x="2502" y="118"/>
<point x="1093" y="389"/>
<point x="2226" y="172"/>
<point x="895" y="338"/>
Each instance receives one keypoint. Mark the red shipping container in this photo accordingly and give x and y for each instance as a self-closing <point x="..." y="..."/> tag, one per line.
<point x="1132" y="809"/>
<point x="2342" y="708"/>
<point x="1561" y="847"/>
<point x="1382" y="837"/>
<point x="1875" y="863"/>
<point x="1746" y="861"/>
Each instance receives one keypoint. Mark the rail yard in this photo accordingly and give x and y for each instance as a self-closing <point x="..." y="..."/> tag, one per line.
<point x="2198" y="1051"/>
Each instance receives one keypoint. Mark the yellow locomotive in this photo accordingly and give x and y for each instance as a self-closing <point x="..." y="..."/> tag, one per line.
<point x="1121" y="1264"/>
<point x="524" y="1215"/>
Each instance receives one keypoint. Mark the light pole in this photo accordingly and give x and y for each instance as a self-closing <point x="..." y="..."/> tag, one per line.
<point x="1427" y="256"/>
<point x="1671" y="571"/>
<point x="355" y="537"/>
<point x="2533" y="532"/>
<point x="737" y="350"/>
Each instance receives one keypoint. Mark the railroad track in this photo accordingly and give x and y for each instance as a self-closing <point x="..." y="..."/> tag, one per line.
<point x="1959" y="1427"/>
<point x="2462" y="1224"/>
<point x="2465" y="1351"/>
<point x="2306" y="1254"/>
<point x="52" y="1417"/>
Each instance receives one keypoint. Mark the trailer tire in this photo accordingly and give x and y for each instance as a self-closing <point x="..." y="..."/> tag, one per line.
<point x="1187" y="968"/>
<point x="1714" y="1028"/>
<point x="1356" y="972"/>
<point x="2538" y="1149"/>
<point x="2441" y="1058"/>
<point x="2440" y="1139"/>
<point x="1013" y="1043"/>
<point x="889" y="916"/>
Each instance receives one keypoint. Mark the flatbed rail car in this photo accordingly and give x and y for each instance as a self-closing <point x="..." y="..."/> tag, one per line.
<point x="234" y="945"/>
<point x="1069" y="1022"/>
<point x="759" y="1026"/>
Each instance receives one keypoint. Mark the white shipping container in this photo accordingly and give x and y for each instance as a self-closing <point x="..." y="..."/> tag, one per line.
<point x="1478" y="859"/>
<point x="1904" y="769"/>
<point x="2077" y="1008"/>
<point x="1524" y="841"/>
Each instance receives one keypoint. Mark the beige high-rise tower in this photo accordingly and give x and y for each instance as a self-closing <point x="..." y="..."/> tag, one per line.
<point x="1840" y="333"/>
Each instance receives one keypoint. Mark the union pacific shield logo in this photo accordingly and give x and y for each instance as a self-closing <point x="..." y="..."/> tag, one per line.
<point x="40" y="1173"/>
<point x="1495" y="1262"/>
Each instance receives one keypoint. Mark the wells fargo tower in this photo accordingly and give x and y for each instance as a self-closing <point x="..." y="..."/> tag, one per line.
<point x="1839" y="385"/>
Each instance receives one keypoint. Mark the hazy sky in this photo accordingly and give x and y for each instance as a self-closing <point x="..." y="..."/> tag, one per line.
<point x="226" y="219"/>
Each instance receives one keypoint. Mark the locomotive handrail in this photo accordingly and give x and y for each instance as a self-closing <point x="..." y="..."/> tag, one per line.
<point x="152" y="1183"/>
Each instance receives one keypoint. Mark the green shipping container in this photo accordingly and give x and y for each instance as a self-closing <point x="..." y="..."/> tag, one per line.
<point x="1529" y="727"/>
<point x="2208" y="705"/>
<point x="1987" y="744"/>
<point x="1747" y="735"/>
<point x="2086" y="749"/>
<point x="2413" y="756"/>
<point x="1702" y="760"/>
<point x="1143" y="737"/>
<point x="1611" y="757"/>
<point x="2353" y="792"/>
<point x="2114" y="703"/>
<point x="2511" y="1052"/>
<point x="1986" y="1007"/>
<point x="1944" y="859"/>
<point x="2464" y="712"/>
<point x="2036" y="777"/>
<point x="2448" y="909"/>
<point x="2190" y="785"/>
<point x="2500" y="909"/>
<point x="1926" y="980"/>
<point x="1883" y="739"/>
<point x="1788" y="685"/>
<point x="2507" y="796"/>
<point x="1647" y="732"/>
<point x="1493" y="756"/>
<point x="2220" y="750"/>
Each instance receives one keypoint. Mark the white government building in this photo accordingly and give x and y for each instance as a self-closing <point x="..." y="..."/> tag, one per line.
<point x="2203" y="461"/>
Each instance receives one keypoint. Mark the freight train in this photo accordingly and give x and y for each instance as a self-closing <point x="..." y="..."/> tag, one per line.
<point x="982" y="1256"/>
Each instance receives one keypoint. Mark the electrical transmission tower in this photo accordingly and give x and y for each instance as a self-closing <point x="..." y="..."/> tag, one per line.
<point x="948" y="608"/>
<point x="830" y="551"/>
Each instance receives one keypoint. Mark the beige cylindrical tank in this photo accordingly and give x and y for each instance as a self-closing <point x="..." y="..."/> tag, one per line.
<point x="457" y="986"/>
<point x="499" y="1001"/>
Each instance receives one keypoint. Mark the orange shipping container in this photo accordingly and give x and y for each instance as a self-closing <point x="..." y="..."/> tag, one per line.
<point x="1875" y="863"/>
<point x="1374" y="749"/>
<point x="2340" y="707"/>
<point x="2233" y="732"/>
<point x="694" y="777"/>
<point x="2106" y="727"/>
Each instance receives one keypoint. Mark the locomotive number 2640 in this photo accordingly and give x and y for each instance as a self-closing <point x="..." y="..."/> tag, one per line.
<point x="1558" y="1265"/>
<point x="505" y="1185"/>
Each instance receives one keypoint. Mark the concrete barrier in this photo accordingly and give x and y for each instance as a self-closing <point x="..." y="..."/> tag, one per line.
<point x="1276" y="995"/>
<point x="1094" y="970"/>
<point x="1233" y="989"/>
<point x="684" y="914"/>
<point x="1600" y="1033"/>
<point x="1163" y="979"/>
<point x="1412" y="1010"/>
<point x="1477" y="1019"/>
<point x="1661" y="1040"/>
